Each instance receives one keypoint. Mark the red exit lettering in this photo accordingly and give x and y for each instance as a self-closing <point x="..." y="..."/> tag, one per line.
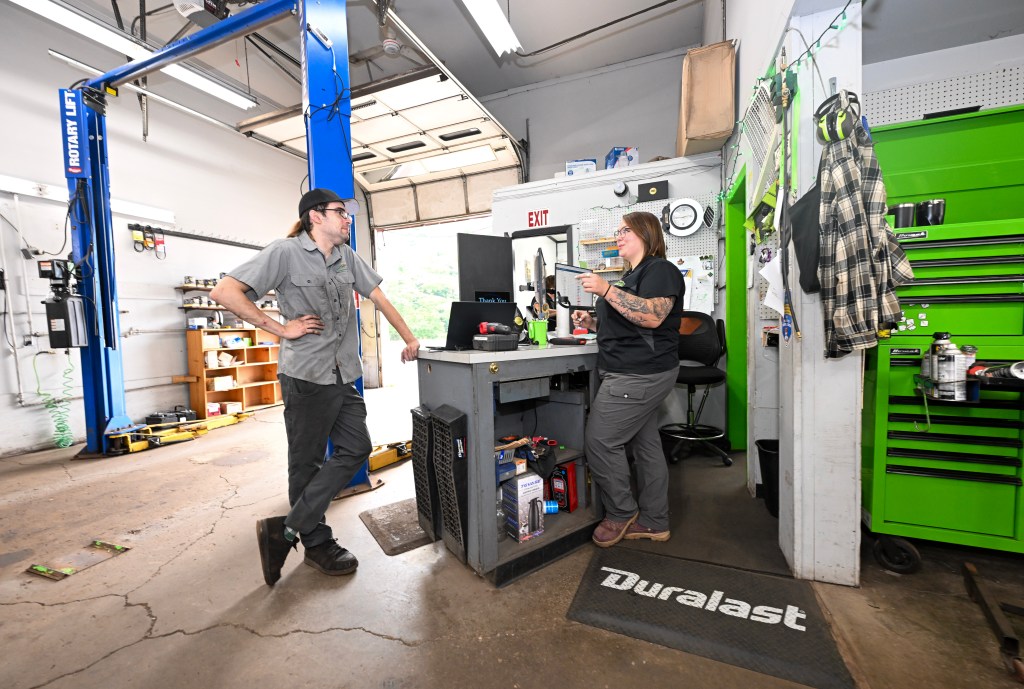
<point x="537" y="218"/>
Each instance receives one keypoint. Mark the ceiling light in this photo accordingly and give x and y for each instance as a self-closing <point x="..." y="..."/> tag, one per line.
<point x="492" y="22"/>
<point x="85" y="26"/>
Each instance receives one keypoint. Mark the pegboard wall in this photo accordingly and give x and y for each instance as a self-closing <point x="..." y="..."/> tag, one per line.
<point x="993" y="89"/>
<point x="600" y="222"/>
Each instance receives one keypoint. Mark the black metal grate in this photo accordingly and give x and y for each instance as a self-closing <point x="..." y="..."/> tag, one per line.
<point x="428" y="506"/>
<point x="449" y="428"/>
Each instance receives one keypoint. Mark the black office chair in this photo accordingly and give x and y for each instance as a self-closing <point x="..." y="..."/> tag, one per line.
<point x="701" y="340"/>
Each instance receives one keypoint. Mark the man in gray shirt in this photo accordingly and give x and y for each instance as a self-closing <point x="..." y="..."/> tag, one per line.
<point x="314" y="273"/>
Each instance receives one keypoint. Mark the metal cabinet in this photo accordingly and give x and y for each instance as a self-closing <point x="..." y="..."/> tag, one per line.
<point x="532" y="391"/>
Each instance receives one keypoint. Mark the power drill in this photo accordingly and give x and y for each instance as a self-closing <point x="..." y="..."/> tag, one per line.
<point x="494" y="328"/>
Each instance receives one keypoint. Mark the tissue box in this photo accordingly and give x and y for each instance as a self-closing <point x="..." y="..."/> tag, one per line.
<point x="580" y="167"/>
<point x="220" y="383"/>
<point x="230" y="407"/>
<point x="621" y="156"/>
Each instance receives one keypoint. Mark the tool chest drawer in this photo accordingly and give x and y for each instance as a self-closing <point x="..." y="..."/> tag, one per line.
<point x="959" y="500"/>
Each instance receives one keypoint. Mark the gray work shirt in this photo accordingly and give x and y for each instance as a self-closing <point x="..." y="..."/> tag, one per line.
<point x="306" y="284"/>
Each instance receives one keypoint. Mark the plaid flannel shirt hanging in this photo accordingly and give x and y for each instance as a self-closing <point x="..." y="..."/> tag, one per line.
<point x="861" y="262"/>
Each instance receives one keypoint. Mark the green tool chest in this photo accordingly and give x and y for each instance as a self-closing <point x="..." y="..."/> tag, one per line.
<point x="940" y="470"/>
<point x="943" y="471"/>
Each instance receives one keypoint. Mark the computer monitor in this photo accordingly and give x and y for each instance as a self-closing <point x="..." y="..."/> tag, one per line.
<point x="499" y="297"/>
<point x="568" y="287"/>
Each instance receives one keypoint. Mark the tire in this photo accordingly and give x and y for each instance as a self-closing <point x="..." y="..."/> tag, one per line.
<point x="896" y="554"/>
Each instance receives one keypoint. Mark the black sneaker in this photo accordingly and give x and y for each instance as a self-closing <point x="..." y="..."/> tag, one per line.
<point x="274" y="547"/>
<point x="330" y="558"/>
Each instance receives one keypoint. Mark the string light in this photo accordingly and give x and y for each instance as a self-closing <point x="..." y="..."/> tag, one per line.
<point x="837" y="25"/>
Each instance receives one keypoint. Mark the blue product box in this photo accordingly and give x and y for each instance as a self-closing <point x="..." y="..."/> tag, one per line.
<point x="621" y="156"/>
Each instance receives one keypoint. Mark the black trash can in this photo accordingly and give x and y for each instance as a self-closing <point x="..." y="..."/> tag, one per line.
<point x="768" y="459"/>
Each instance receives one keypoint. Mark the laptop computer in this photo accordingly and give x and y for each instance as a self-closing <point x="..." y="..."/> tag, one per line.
<point x="465" y="319"/>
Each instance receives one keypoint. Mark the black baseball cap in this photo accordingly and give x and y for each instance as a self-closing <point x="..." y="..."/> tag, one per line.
<point x="316" y="197"/>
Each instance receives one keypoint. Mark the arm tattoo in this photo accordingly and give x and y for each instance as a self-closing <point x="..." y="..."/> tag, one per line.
<point x="646" y="313"/>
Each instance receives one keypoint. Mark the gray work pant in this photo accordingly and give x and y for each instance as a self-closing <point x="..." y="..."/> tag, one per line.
<point x="625" y="412"/>
<point x="312" y="413"/>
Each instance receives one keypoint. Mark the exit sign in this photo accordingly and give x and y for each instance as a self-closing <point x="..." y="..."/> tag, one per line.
<point x="537" y="218"/>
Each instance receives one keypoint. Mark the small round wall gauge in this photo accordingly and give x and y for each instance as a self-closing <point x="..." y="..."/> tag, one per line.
<point x="620" y="189"/>
<point x="684" y="217"/>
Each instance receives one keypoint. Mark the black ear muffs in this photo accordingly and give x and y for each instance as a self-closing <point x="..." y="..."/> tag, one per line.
<point x="834" y="122"/>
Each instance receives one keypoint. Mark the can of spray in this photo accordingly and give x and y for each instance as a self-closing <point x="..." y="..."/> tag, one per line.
<point x="971" y="352"/>
<point x="1015" y="370"/>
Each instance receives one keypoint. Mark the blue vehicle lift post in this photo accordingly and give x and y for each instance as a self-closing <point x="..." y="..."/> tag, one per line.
<point x="326" y="99"/>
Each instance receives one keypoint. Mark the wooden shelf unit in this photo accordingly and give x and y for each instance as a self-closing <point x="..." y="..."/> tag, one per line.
<point x="254" y="376"/>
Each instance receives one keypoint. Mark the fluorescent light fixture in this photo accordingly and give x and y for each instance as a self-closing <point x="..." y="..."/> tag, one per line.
<point x="91" y="29"/>
<point x="149" y="94"/>
<point x="59" y="194"/>
<point x="492" y="22"/>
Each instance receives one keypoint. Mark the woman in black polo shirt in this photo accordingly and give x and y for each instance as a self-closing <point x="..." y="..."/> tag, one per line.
<point x="637" y="326"/>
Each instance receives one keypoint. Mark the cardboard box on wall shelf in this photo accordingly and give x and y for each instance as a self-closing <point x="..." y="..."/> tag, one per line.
<point x="622" y="156"/>
<point x="217" y="383"/>
<point x="707" y="108"/>
<point x="582" y="166"/>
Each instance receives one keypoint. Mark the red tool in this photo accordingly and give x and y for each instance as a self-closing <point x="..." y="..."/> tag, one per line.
<point x="494" y="328"/>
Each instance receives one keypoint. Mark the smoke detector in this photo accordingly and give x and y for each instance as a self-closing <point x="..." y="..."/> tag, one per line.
<point x="202" y="12"/>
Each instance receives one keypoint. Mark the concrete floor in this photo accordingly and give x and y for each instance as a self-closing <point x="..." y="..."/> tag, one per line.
<point x="187" y="607"/>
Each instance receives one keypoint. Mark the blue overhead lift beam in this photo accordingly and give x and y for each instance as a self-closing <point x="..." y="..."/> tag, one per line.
<point x="326" y="99"/>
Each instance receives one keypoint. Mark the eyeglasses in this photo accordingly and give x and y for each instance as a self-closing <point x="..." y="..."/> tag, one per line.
<point x="340" y="211"/>
<point x="621" y="232"/>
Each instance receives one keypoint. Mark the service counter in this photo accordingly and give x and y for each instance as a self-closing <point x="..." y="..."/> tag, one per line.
<point x="533" y="391"/>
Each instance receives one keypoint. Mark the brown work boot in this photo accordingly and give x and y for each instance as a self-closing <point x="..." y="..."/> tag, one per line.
<point x="637" y="531"/>
<point x="609" y="532"/>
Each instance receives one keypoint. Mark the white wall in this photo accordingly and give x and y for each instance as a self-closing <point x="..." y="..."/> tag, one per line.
<point x="635" y="103"/>
<point x="216" y="182"/>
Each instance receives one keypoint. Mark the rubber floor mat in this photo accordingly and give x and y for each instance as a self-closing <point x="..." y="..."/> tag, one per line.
<point x="761" y="622"/>
<point x="396" y="527"/>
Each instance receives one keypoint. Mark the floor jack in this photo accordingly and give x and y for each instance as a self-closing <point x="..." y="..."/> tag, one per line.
<point x="386" y="455"/>
<point x="1009" y="644"/>
<point x="142" y="437"/>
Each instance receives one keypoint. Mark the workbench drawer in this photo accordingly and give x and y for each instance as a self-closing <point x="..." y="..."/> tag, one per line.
<point x="958" y="500"/>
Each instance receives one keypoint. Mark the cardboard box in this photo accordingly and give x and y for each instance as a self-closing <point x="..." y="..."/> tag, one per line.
<point x="211" y="341"/>
<point x="212" y="409"/>
<point x="230" y="407"/>
<point x="220" y="383"/>
<point x="622" y="156"/>
<point x="522" y="499"/>
<point x="196" y="323"/>
<point x="224" y="359"/>
<point x="211" y="359"/>
<point x="574" y="168"/>
<point x="707" y="108"/>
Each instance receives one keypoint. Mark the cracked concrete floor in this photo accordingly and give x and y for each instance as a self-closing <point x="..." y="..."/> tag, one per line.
<point x="187" y="607"/>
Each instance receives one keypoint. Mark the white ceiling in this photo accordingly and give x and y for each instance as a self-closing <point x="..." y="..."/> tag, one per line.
<point x="893" y="28"/>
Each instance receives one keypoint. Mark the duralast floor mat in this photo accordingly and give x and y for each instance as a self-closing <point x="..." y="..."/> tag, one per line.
<point x="396" y="527"/>
<point x="761" y="622"/>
